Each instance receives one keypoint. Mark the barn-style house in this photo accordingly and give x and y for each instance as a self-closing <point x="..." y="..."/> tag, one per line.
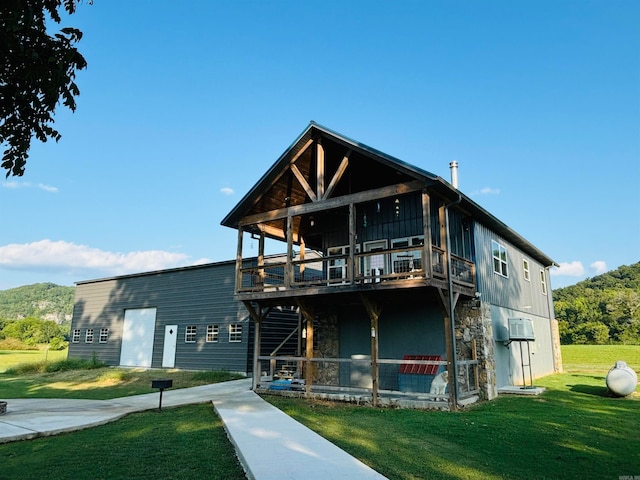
<point x="408" y="290"/>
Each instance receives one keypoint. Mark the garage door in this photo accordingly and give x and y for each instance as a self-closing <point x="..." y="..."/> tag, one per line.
<point x="137" y="337"/>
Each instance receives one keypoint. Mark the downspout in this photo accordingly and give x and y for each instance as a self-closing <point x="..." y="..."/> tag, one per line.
<point x="452" y="321"/>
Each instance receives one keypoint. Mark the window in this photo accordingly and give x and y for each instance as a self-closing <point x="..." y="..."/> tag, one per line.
<point x="543" y="282"/>
<point x="75" y="337"/>
<point x="235" y="333"/>
<point x="212" y="333"/>
<point x="499" y="258"/>
<point x="525" y="270"/>
<point x="104" y="335"/>
<point x="88" y="338"/>
<point x="190" y="334"/>
<point x="410" y="259"/>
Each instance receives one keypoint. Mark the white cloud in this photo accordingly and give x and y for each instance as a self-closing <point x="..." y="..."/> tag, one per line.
<point x="227" y="191"/>
<point x="15" y="185"/>
<point x="569" y="269"/>
<point x="486" y="191"/>
<point x="599" y="267"/>
<point x="48" y="188"/>
<point x="67" y="256"/>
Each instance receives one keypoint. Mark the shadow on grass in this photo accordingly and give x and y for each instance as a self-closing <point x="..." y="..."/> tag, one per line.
<point x="591" y="390"/>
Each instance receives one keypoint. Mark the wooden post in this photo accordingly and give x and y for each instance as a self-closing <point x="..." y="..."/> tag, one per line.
<point x="239" y="261"/>
<point x="288" y="270"/>
<point x="453" y="401"/>
<point x="308" y="315"/>
<point x="426" y="228"/>
<point x="351" y="268"/>
<point x="373" y="310"/>
<point x="261" y="259"/>
<point x="257" y="316"/>
<point x="320" y="169"/>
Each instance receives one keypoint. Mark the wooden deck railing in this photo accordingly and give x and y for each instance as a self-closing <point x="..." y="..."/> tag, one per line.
<point x="398" y="264"/>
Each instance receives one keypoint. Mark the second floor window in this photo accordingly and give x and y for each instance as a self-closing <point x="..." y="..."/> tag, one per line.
<point x="499" y="258"/>
<point x="525" y="270"/>
<point x="75" y="336"/>
<point x="543" y="282"/>
<point x="89" y="336"/>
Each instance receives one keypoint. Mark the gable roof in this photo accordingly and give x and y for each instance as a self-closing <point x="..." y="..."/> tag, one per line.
<point x="278" y="188"/>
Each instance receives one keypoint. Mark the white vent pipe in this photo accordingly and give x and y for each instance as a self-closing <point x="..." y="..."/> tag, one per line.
<point x="454" y="173"/>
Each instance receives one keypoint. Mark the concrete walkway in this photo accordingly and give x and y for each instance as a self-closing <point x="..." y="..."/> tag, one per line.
<point x="269" y="444"/>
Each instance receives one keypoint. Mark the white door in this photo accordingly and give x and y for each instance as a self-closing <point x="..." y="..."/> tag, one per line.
<point x="375" y="265"/>
<point x="170" y="342"/>
<point x="137" y="337"/>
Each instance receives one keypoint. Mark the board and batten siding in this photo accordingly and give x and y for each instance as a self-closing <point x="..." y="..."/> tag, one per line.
<point x="199" y="296"/>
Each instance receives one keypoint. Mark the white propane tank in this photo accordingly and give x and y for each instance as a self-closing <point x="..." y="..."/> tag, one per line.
<point x="621" y="379"/>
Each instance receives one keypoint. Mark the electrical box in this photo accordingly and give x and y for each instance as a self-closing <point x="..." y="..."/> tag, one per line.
<point x="521" y="329"/>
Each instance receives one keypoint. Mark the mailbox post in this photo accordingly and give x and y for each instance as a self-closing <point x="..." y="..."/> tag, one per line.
<point x="161" y="384"/>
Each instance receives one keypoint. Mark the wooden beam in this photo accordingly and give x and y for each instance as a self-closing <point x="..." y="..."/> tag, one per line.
<point x="303" y="181"/>
<point x="239" y="259"/>
<point x="373" y="310"/>
<point x="308" y="314"/>
<point x="331" y="203"/>
<point x="426" y="229"/>
<point x="320" y="168"/>
<point x="257" y="316"/>
<point x="338" y="175"/>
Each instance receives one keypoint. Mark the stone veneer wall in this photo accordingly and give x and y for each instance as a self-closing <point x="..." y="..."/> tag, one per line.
<point x="555" y="342"/>
<point x="325" y="328"/>
<point x="473" y="322"/>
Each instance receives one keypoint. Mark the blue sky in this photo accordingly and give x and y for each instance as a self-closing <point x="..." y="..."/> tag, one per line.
<point x="184" y="105"/>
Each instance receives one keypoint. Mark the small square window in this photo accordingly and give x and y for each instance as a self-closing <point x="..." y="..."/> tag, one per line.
<point x="212" y="333"/>
<point x="190" y="334"/>
<point x="525" y="270"/>
<point x="104" y="335"/>
<point x="543" y="282"/>
<point x="75" y="337"/>
<point x="88" y="338"/>
<point x="235" y="333"/>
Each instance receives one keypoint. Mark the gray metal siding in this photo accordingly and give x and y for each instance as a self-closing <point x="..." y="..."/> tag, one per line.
<point x="514" y="291"/>
<point x="198" y="296"/>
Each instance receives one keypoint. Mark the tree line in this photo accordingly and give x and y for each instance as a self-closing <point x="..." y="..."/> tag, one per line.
<point x="600" y="310"/>
<point x="31" y="332"/>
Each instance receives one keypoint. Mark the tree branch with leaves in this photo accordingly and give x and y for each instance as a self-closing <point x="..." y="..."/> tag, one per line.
<point x="37" y="72"/>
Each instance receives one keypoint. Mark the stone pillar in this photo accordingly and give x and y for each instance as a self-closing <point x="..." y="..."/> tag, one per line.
<point x="328" y="343"/>
<point x="555" y="344"/>
<point x="473" y="323"/>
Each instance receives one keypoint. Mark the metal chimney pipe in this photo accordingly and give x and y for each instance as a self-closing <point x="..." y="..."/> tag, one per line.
<point x="454" y="173"/>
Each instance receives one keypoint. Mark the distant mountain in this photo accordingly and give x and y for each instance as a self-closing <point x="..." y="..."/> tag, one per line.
<point x="601" y="309"/>
<point x="46" y="301"/>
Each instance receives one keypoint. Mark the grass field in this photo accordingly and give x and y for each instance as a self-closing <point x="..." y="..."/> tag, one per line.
<point x="11" y="358"/>
<point x="574" y="430"/>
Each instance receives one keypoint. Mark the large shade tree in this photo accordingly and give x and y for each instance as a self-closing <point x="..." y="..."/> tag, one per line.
<point x="37" y="72"/>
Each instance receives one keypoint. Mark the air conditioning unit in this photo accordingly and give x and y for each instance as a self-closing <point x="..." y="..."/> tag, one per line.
<point x="521" y="329"/>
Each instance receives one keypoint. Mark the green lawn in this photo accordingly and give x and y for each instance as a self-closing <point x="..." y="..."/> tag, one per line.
<point x="11" y="358"/>
<point x="177" y="443"/>
<point x="574" y="430"/>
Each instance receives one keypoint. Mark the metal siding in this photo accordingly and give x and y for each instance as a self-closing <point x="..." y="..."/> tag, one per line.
<point x="513" y="292"/>
<point x="194" y="296"/>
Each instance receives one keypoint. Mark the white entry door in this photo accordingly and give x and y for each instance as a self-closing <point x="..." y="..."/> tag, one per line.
<point x="137" y="337"/>
<point x="170" y="342"/>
